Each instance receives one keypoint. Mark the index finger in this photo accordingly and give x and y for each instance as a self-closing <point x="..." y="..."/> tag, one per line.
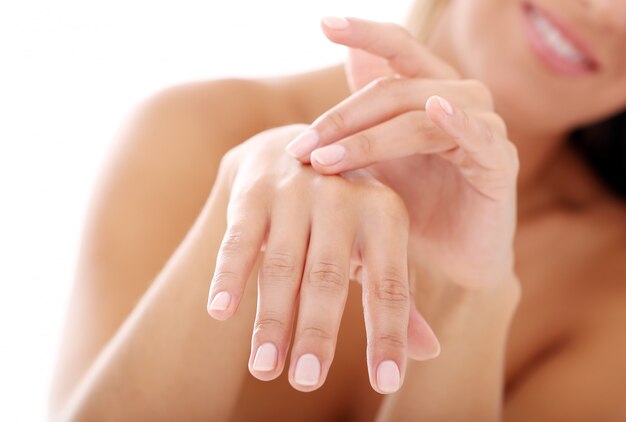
<point x="390" y="41"/>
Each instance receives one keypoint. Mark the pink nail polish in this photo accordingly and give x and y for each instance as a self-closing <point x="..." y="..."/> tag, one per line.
<point x="308" y="370"/>
<point x="336" y="23"/>
<point x="445" y="105"/>
<point x="388" y="376"/>
<point x="220" y="302"/>
<point x="266" y="357"/>
<point x="303" y="144"/>
<point x="329" y="155"/>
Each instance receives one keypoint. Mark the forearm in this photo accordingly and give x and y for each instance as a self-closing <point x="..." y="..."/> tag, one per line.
<point x="170" y="360"/>
<point x="465" y="383"/>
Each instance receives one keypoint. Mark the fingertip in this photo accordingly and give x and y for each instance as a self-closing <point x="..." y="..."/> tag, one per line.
<point x="335" y="23"/>
<point x="426" y="350"/>
<point x="219" y="307"/>
<point x="388" y="377"/>
<point x="307" y="373"/>
<point x="303" y="144"/>
<point x="328" y="156"/>
<point x="423" y="344"/>
<point x="265" y="364"/>
<point x="439" y="104"/>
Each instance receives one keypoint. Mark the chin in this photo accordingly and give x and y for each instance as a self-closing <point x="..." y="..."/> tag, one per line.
<point x="526" y="86"/>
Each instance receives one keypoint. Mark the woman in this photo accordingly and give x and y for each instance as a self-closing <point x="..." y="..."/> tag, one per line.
<point x="441" y="179"/>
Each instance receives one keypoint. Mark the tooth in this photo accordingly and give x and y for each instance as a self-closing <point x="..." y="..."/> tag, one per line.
<point x="554" y="38"/>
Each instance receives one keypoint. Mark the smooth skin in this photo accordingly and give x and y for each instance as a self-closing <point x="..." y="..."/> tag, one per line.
<point x="480" y="167"/>
<point x="564" y="342"/>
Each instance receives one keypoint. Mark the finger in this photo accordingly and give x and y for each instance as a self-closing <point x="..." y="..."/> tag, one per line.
<point x="405" y="135"/>
<point x="487" y="162"/>
<point x="363" y="67"/>
<point x="380" y="101"/>
<point x="422" y="342"/>
<point x="390" y="41"/>
<point x="279" y="283"/>
<point x="323" y="295"/>
<point x="245" y="230"/>
<point x="386" y="298"/>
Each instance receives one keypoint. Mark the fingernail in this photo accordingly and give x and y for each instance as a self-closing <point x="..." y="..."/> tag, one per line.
<point x="329" y="155"/>
<point x="265" y="359"/>
<point x="388" y="377"/>
<point x="336" y="23"/>
<point x="445" y="105"/>
<point x="220" y="302"/>
<point x="308" y="370"/>
<point x="303" y="144"/>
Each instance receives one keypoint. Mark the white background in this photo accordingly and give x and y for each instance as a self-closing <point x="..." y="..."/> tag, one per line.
<point x="70" y="72"/>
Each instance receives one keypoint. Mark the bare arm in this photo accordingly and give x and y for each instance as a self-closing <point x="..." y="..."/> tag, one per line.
<point x="165" y="360"/>
<point x="465" y="383"/>
<point x="150" y="194"/>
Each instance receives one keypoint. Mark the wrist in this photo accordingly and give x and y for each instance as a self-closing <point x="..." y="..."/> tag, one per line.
<point x="450" y="303"/>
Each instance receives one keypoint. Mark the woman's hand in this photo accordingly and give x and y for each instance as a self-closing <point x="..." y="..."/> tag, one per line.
<point x="458" y="175"/>
<point x="318" y="232"/>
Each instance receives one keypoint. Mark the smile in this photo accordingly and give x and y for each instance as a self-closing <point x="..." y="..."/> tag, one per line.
<point x="556" y="45"/>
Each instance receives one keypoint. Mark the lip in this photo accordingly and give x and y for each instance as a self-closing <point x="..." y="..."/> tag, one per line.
<point x="590" y="63"/>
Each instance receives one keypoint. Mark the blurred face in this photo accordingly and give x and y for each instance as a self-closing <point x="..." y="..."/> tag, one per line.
<point x="551" y="64"/>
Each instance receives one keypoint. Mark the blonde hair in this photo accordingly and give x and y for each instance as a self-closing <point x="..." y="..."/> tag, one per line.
<point x="422" y="17"/>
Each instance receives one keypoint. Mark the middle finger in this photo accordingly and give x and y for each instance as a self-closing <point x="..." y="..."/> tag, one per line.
<point x="323" y="295"/>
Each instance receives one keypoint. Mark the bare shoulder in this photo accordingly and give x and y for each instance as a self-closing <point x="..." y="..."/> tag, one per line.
<point x="152" y="187"/>
<point x="581" y="377"/>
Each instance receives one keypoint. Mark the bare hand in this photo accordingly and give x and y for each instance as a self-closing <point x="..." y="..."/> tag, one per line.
<point x="453" y="164"/>
<point x="318" y="231"/>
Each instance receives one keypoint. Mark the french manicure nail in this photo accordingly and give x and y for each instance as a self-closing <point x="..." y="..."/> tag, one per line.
<point x="336" y="23"/>
<point x="445" y="105"/>
<point x="388" y="376"/>
<point x="220" y="302"/>
<point x="308" y="370"/>
<point x="329" y="155"/>
<point x="265" y="359"/>
<point x="303" y="144"/>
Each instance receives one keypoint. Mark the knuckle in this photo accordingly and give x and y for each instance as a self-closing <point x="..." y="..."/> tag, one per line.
<point x="390" y="205"/>
<point x="331" y="189"/>
<point x="280" y="265"/>
<point x="335" y="120"/>
<point x="224" y="278"/>
<point x="365" y="143"/>
<point x="250" y="194"/>
<point x="317" y="333"/>
<point x="269" y="323"/>
<point x="481" y="92"/>
<point x="499" y="125"/>
<point x="385" y="84"/>
<point x="227" y="167"/>
<point x="232" y="242"/>
<point x="397" y="89"/>
<point x="422" y="128"/>
<point x="390" y="340"/>
<point x="391" y="289"/>
<point x="327" y="275"/>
